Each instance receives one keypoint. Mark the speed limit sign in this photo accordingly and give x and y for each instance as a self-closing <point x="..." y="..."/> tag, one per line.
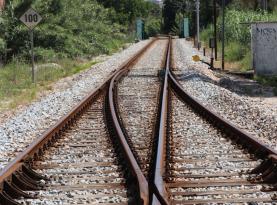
<point x="31" y="18"/>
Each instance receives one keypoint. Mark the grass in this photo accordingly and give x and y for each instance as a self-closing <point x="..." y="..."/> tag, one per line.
<point x="16" y="87"/>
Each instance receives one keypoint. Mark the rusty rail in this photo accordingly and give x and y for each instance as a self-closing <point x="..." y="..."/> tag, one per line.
<point x="18" y="177"/>
<point x="160" y="195"/>
<point x="140" y="180"/>
<point x="241" y="137"/>
<point x="267" y="169"/>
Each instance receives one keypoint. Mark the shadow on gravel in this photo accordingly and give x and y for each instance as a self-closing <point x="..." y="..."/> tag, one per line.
<point x="237" y="85"/>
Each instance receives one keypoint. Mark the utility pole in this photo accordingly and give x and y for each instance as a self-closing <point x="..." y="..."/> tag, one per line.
<point x="265" y="5"/>
<point x="215" y="28"/>
<point x="198" y="22"/>
<point x="223" y="35"/>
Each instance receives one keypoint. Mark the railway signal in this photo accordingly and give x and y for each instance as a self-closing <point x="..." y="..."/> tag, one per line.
<point x="31" y="19"/>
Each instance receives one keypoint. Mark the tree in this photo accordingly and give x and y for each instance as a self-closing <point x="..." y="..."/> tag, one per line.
<point x="169" y="15"/>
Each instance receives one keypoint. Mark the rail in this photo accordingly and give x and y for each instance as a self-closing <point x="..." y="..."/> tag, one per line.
<point x="140" y="180"/>
<point x="160" y="194"/>
<point x="18" y="177"/>
<point x="267" y="169"/>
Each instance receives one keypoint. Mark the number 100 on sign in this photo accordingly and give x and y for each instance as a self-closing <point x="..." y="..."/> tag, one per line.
<point x="31" y="18"/>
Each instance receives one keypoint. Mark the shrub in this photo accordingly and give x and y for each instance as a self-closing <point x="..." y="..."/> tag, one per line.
<point x="246" y="62"/>
<point x="152" y="27"/>
<point x="45" y="55"/>
<point x="235" y="30"/>
<point x="206" y="34"/>
<point x="2" y="45"/>
<point x="235" y="51"/>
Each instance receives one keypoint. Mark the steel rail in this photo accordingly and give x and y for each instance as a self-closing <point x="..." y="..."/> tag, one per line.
<point x="18" y="177"/>
<point x="140" y="180"/>
<point x="160" y="195"/>
<point x="253" y="144"/>
<point x="267" y="170"/>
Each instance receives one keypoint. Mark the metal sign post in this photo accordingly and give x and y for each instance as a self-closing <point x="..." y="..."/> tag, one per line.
<point x="31" y="19"/>
<point x="198" y="22"/>
<point x="32" y="55"/>
<point x="215" y="27"/>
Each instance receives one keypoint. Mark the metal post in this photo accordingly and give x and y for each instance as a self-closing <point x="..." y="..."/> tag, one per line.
<point x="212" y="59"/>
<point x="223" y="34"/>
<point x="32" y="55"/>
<point x="198" y="22"/>
<point x="215" y="29"/>
<point x="265" y="5"/>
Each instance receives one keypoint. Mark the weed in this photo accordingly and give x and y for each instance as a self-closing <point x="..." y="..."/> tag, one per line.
<point x="17" y="88"/>
<point x="246" y="62"/>
<point x="235" y="52"/>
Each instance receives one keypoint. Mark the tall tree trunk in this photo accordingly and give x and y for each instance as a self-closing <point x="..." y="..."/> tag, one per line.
<point x="2" y="4"/>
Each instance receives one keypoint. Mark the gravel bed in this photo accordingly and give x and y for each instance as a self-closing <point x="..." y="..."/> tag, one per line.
<point x="250" y="114"/>
<point x="22" y="129"/>
<point x="138" y="95"/>
<point x="82" y="173"/>
<point x="209" y="158"/>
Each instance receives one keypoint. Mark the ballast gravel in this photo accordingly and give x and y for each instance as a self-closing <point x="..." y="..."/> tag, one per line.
<point x="138" y="95"/>
<point x="249" y="113"/>
<point x="19" y="131"/>
<point x="202" y="157"/>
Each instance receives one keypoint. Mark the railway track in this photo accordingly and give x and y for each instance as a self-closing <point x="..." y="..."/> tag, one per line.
<point x="141" y="139"/>
<point x="138" y="96"/>
<point x="82" y="159"/>
<point x="204" y="159"/>
<point x="82" y="166"/>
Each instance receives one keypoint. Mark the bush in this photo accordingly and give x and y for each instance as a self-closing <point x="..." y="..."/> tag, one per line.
<point x="71" y="28"/>
<point x="235" y="51"/>
<point x="206" y="34"/>
<point x="46" y="55"/>
<point x="246" y="62"/>
<point x="2" y="45"/>
<point x="235" y="30"/>
<point x="152" y="27"/>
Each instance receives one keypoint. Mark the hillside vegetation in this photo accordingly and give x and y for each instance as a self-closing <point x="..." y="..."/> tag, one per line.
<point x="71" y="33"/>
<point x="70" y="29"/>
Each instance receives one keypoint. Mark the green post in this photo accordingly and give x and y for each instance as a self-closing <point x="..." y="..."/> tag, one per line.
<point x="140" y="29"/>
<point x="186" y="27"/>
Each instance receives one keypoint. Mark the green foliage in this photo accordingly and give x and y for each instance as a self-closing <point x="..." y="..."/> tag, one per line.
<point x="70" y="28"/>
<point x="152" y="27"/>
<point x="246" y="62"/>
<point x="169" y="15"/>
<point x="16" y="86"/>
<point x="2" y="45"/>
<point x="127" y="11"/>
<point x="235" y="52"/>
<point x="206" y="34"/>
<point x="174" y="9"/>
<point x="235" y="30"/>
